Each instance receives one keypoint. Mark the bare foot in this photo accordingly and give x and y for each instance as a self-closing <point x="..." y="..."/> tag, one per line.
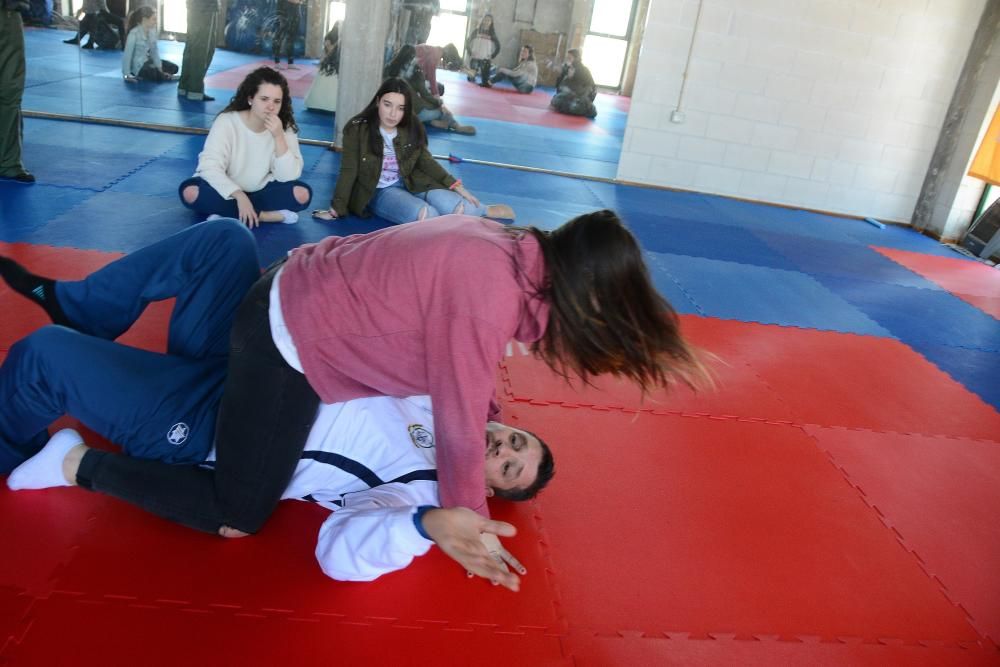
<point x="226" y="531"/>
<point x="271" y="216"/>
<point x="500" y="211"/>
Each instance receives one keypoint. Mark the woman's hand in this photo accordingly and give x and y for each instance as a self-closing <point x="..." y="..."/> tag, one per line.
<point x="325" y="214"/>
<point x="273" y="125"/>
<point x="459" y="532"/>
<point x="248" y="216"/>
<point x="467" y="195"/>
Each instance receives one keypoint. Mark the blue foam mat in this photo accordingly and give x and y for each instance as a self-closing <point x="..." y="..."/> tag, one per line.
<point x="706" y="239"/>
<point x="734" y="291"/>
<point x="920" y="315"/>
<point x="82" y="168"/>
<point x="975" y="369"/>
<point x="841" y="259"/>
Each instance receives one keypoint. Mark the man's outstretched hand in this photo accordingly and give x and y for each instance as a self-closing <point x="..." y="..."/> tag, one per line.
<point x="460" y="533"/>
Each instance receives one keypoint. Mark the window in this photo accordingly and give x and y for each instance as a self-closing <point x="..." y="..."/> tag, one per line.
<point x="451" y="25"/>
<point x="173" y="16"/>
<point x="335" y="12"/>
<point x="606" y="42"/>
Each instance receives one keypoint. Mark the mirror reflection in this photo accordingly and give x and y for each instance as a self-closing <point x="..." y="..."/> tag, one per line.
<point x="538" y="83"/>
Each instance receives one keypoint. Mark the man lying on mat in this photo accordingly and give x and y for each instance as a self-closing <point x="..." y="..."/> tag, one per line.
<point x="371" y="461"/>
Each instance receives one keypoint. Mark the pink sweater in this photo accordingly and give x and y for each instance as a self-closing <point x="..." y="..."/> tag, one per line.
<point x="422" y="308"/>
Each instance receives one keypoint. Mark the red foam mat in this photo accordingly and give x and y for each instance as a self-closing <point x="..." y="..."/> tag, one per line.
<point x="118" y="632"/>
<point x="21" y="316"/>
<point x="276" y="570"/>
<point x="942" y="495"/>
<point x="970" y="281"/>
<point x="786" y="374"/>
<point x="663" y="523"/>
<point x="299" y="79"/>
<point x="676" y="649"/>
<point x="954" y="274"/>
<point x="836" y="379"/>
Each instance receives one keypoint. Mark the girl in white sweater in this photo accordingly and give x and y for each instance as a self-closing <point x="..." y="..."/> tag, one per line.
<point x="251" y="162"/>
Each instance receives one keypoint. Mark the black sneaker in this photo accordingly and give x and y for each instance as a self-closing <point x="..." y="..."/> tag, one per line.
<point x="23" y="176"/>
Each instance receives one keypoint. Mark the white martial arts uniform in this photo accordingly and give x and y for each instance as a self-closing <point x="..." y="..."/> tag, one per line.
<point x="371" y="461"/>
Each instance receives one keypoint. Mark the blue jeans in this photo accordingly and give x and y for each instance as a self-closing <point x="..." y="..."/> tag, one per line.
<point x="134" y="397"/>
<point x="275" y="196"/>
<point x="397" y="204"/>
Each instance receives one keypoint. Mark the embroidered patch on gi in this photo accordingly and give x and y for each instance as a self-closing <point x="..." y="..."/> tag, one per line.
<point x="421" y="437"/>
<point x="178" y="433"/>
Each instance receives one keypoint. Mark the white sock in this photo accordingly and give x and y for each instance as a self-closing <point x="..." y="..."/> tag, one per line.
<point x="213" y="216"/>
<point x="44" y="469"/>
<point x="290" y="217"/>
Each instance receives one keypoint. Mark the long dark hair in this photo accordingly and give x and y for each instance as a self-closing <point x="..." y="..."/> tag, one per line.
<point x="449" y="56"/>
<point x="399" y="61"/>
<point x="330" y="64"/>
<point x="606" y="316"/>
<point x="251" y="84"/>
<point x="531" y="51"/>
<point x="409" y="121"/>
<point x="491" y="31"/>
<point x="137" y="16"/>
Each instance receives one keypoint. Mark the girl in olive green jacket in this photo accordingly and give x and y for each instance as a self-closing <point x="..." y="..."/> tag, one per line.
<point x="386" y="169"/>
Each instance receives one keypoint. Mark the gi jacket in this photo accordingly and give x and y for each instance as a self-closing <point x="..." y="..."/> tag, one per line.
<point x="360" y="168"/>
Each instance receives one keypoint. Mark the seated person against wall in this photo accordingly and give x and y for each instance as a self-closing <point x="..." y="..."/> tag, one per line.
<point x="524" y="76"/>
<point x="575" y="88"/>
<point x="322" y="94"/>
<point x="100" y="24"/>
<point x="386" y="169"/>
<point x="429" y="57"/>
<point x="141" y="57"/>
<point x="372" y="462"/>
<point x="250" y="167"/>
<point x="428" y="107"/>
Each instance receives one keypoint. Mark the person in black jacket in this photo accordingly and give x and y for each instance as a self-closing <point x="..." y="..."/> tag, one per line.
<point x="483" y="47"/>
<point x="12" y="72"/>
<point x="575" y="88"/>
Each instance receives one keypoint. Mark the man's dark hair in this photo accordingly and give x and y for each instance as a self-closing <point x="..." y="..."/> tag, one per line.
<point x="546" y="471"/>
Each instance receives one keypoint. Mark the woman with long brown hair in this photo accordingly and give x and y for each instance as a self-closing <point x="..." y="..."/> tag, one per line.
<point x="250" y="167"/>
<point x="386" y="169"/>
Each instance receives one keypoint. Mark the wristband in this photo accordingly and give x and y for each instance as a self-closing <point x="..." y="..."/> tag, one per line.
<point x="457" y="184"/>
<point x="418" y="520"/>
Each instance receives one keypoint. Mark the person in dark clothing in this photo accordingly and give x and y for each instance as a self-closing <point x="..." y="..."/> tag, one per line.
<point x="575" y="88"/>
<point x="287" y="31"/>
<point x="94" y="13"/>
<point x="202" y="18"/>
<point x="12" y="73"/>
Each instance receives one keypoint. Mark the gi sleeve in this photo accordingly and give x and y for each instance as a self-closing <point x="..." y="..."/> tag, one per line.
<point x="374" y="533"/>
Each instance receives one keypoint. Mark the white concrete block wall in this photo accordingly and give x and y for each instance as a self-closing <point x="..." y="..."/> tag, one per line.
<point x="833" y="105"/>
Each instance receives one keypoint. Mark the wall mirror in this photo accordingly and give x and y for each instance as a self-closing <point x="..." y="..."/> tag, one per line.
<point x="511" y="128"/>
